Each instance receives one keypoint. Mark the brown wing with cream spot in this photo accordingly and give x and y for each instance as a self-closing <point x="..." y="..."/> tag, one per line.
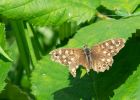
<point x="71" y="57"/>
<point x="103" y="53"/>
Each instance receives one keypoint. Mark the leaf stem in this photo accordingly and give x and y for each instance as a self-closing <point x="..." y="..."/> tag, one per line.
<point x="29" y="36"/>
<point x="18" y="30"/>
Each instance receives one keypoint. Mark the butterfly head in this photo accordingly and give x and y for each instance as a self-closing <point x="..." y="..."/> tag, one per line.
<point x="86" y="49"/>
<point x="85" y="46"/>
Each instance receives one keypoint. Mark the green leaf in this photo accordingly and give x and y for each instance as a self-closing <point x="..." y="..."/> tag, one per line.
<point x="4" y="69"/>
<point x="51" y="80"/>
<point x="2" y="36"/>
<point x="66" y="30"/>
<point x="45" y="76"/>
<point x="4" y="65"/>
<point x="121" y="7"/>
<point x="3" y="42"/>
<point x="41" y="12"/>
<point x="130" y="89"/>
<point x="103" y="30"/>
<point x="13" y="92"/>
<point x="2" y="52"/>
<point x="137" y="11"/>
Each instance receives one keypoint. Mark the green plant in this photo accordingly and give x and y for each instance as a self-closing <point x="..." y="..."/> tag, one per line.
<point x="30" y="29"/>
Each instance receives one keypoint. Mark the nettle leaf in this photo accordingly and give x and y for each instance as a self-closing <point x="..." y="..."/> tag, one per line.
<point x="52" y="81"/>
<point x="121" y="7"/>
<point x="49" y="12"/>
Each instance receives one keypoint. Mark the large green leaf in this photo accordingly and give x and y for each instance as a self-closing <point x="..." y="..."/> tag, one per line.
<point x="50" y="12"/>
<point x="103" y="30"/>
<point x="42" y="88"/>
<point x="52" y="81"/>
<point x="121" y="7"/>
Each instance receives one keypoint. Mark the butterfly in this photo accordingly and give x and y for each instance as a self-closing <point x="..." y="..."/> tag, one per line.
<point x="99" y="57"/>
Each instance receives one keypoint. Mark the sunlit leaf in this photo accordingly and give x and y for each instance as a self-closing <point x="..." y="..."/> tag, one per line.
<point x="49" y="12"/>
<point x="51" y="80"/>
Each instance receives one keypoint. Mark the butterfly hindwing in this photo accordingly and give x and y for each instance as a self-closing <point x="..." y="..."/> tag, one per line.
<point x="103" y="53"/>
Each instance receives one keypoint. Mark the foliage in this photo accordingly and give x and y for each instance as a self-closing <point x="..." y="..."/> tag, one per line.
<point x="30" y="29"/>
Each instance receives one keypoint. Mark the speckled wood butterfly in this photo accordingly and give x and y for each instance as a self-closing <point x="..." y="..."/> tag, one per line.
<point x="99" y="57"/>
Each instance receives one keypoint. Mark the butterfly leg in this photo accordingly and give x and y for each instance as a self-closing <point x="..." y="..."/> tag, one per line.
<point x="87" y="69"/>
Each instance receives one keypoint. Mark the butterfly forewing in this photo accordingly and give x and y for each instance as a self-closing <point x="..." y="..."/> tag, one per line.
<point x="103" y="53"/>
<point x="71" y="57"/>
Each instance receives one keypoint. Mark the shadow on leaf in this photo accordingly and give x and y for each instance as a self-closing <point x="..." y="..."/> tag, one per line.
<point x="101" y="86"/>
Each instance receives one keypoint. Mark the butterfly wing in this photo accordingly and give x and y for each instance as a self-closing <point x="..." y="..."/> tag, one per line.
<point x="102" y="54"/>
<point x="71" y="57"/>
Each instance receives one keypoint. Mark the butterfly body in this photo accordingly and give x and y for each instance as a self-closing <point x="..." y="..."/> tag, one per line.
<point x="89" y="57"/>
<point x="99" y="57"/>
